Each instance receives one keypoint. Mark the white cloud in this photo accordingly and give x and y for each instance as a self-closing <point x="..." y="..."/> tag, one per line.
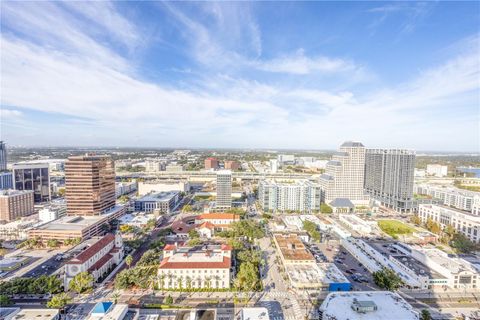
<point x="299" y="63"/>
<point x="9" y="114"/>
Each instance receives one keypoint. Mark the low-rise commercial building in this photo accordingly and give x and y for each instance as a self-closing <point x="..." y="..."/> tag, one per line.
<point x="163" y="202"/>
<point x="464" y="222"/>
<point x="15" y="204"/>
<point x="371" y="305"/>
<point x="292" y="250"/>
<point x="437" y="170"/>
<point x="154" y="165"/>
<point x="317" y="276"/>
<point x="122" y="188"/>
<point x="14" y="313"/>
<point x="221" y="221"/>
<point x="145" y="187"/>
<point x="98" y="259"/>
<point x="17" y="230"/>
<point x="196" y="267"/>
<point x="72" y="227"/>
<point x="300" y="196"/>
<point x="356" y="224"/>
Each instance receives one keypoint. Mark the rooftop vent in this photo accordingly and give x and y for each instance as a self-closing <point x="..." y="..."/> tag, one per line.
<point x="363" y="306"/>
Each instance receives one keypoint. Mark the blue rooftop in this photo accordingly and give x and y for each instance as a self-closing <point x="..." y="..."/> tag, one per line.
<point x="102" y="307"/>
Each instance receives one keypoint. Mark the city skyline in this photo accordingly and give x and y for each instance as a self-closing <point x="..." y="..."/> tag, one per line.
<point x="241" y="75"/>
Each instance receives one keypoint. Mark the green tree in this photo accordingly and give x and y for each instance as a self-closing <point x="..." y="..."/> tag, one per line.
<point x="462" y="244"/>
<point x="325" y="208"/>
<point x="123" y="280"/>
<point x="123" y="199"/>
<point x="169" y="300"/>
<point x="194" y="242"/>
<point x="129" y="260"/>
<point x="59" y="301"/>
<point x="425" y="315"/>
<point x="193" y="234"/>
<point x="416" y="220"/>
<point x="387" y="279"/>
<point x="247" y="278"/>
<point x="187" y="208"/>
<point x="5" y="301"/>
<point x="82" y="282"/>
<point x="311" y="228"/>
<point x="52" y="243"/>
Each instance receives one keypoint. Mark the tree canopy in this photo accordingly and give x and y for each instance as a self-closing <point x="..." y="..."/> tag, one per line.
<point x="82" y="282"/>
<point x="59" y="301"/>
<point x="387" y="279"/>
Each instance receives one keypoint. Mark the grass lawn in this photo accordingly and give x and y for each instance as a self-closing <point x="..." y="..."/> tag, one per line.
<point x="394" y="227"/>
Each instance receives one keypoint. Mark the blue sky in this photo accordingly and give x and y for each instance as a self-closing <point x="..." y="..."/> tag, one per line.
<point x="304" y="75"/>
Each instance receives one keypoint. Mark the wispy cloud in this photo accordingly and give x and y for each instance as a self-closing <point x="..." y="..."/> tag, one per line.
<point x="411" y="14"/>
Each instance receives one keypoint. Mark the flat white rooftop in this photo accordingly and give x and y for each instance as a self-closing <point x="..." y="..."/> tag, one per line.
<point x="315" y="274"/>
<point x="255" y="314"/>
<point x="389" y="305"/>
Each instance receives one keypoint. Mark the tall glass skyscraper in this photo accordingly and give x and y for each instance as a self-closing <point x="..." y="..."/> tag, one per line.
<point x="32" y="176"/>
<point x="3" y="156"/>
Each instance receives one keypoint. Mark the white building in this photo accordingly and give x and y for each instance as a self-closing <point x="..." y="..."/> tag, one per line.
<point x="371" y="305"/>
<point x="301" y="195"/>
<point x="17" y="230"/>
<point x="122" y="188"/>
<point x="419" y="173"/>
<point x="197" y="267"/>
<point x="52" y="212"/>
<point x="145" y="187"/>
<point x="174" y="168"/>
<point x="254" y="313"/>
<point x="163" y="202"/>
<point x="100" y="257"/>
<point x="456" y="272"/>
<point x="273" y="165"/>
<point x="464" y="222"/>
<point x="224" y="189"/>
<point x="450" y="196"/>
<point x="344" y="174"/>
<point x="154" y="165"/>
<point x="437" y="170"/>
<point x="221" y="221"/>
<point x="286" y="159"/>
<point x="355" y="223"/>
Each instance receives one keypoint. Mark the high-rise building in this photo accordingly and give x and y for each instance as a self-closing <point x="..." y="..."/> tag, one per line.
<point x="224" y="189"/>
<point x="89" y="185"/>
<point x="211" y="163"/>
<point x="15" y="204"/>
<point x="389" y="175"/>
<point x="273" y="165"/>
<point x="344" y="174"/>
<point x="3" y="156"/>
<point x="6" y="180"/>
<point x="33" y="176"/>
<point x="301" y="196"/>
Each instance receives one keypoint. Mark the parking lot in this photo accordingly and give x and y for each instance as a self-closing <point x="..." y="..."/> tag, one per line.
<point x="360" y="278"/>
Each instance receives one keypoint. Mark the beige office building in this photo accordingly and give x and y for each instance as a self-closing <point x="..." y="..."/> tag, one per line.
<point x="15" y="204"/>
<point x="89" y="185"/>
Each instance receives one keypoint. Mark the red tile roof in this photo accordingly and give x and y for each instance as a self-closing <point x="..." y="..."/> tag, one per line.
<point x="166" y="264"/>
<point x="97" y="265"/>
<point x="220" y="215"/>
<point x="226" y="247"/>
<point x="86" y="254"/>
<point x="207" y="225"/>
<point x="170" y="247"/>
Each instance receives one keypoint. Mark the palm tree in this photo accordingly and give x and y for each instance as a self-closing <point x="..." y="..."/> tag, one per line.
<point x="199" y="281"/>
<point x="208" y="282"/>
<point x="188" y="279"/>
<point x="217" y="281"/>
<point x="180" y="282"/>
<point x="115" y="296"/>
<point x="162" y="278"/>
<point x="171" y="282"/>
<point x="129" y="260"/>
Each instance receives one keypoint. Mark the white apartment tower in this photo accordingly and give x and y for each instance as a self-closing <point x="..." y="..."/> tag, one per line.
<point x="301" y="196"/>
<point x="389" y="177"/>
<point x="344" y="174"/>
<point x="224" y="189"/>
